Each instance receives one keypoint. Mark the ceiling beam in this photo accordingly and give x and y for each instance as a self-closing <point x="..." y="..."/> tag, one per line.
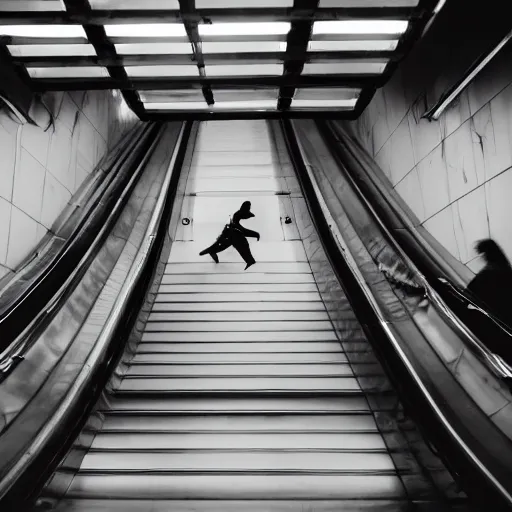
<point x="297" y="46"/>
<point x="188" y="10"/>
<point x="105" y="49"/>
<point x="106" y="16"/>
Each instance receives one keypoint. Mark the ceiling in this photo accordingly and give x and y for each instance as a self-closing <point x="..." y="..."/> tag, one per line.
<point x="207" y="59"/>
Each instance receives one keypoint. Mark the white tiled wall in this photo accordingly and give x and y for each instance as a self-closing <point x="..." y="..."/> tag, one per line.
<point x="41" y="170"/>
<point x="455" y="173"/>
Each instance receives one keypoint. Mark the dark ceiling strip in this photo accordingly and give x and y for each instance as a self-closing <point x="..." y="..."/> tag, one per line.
<point x="188" y="11"/>
<point x="106" y="50"/>
<point x="107" y="16"/>
<point x="296" y="50"/>
<point x="213" y="58"/>
<point x="76" y="84"/>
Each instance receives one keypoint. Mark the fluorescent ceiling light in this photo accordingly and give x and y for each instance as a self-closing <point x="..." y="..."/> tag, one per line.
<point x="243" y="70"/>
<point x="348" y="104"/>
<point x="360" y="27"/>
<point x="221" y="95"/>
<point x="178" y="70"/>
<point x="344" y="68"/>
<point x="69" y="72"/>
<point x="178" y="105"/>
<point x="245" y="29"/>
<point x="243" y="46"/>
<point x="260" y="4"/>
<point x="246" y="105"/>
<point x="153" y="48"/>
<point x="31" y="6"/>
<point x="326" y="93"/>
<point x="51" y="31"/>
<point x="172" y="96"/>
<point x="146" y="30"/>
<point x="368" y="3"/>
<point x="135" y="4"/>
<point x="352" y="46"/>
<point x="51" y="50"/>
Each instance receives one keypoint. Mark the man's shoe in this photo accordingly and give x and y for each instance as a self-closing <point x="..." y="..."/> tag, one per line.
<point x="214" y="257"/>
<point x="249" y="265"/>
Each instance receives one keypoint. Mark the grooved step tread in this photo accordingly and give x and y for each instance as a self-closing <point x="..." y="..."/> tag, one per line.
<point x="238" y="288"/>
<point x="248" y="306"/>
<point x="269" y="326"/>
<point x="239" y="278"/>
<point x="160" y="346"/>
<point x="240" y="316"/>
<point x="238" y="296"/>
<point x="275" y="267"/>
<point x="198" y="358"/>
<point x="243" y="336"/>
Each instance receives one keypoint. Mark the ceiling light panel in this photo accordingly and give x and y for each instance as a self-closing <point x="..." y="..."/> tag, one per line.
<point x="172" y="96"/>
<point x="367" y="3"/>
<point x="327" y="93"/>
<point x="51" y="50"/>
<point x="243" y="46"/>
<point x="323" y="104"/>
<point x="31" y="5"/>
<point x="217" y="70"/>
<point x="223" y="95"/>
<point x="146" y="30"/>
<point x="154" y="49"/>
<point x="344" y="68"/>
<point x="42" y="31"/>
<point x="246" y="105"/>
<point x="68" y="72"/>
<point x="135" y="4"/>
<point x="185" y="70"/>
<point x="360" y="27"/>
<point x="242" y="4"/>
<point x="244" y="29"/>
<point x="353" y="46"/>
<point x="180" y="105"/>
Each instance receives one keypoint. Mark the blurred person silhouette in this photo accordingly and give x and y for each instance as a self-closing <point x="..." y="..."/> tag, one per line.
<point x="234" y="234"/>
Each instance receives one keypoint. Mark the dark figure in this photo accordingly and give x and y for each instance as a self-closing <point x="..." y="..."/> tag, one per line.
<point x="234" y="234"/>
<point x="492" y="287"/>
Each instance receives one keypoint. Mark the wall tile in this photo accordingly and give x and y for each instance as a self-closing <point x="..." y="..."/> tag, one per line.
<point x="380" y="128"/>
<point x="383" y="159"/>
<point x="8" y="152"/>
<point x="402" y="156"/>
<point x="426" y="135"/>
<point x="434" y="182"/>
<point x="499" y="207"/>
<point x="67" y="112"/>
<point x="410" y="191"/>
<point x="460" y="163"/>
<point x="394" y="98"/>
<point x="81" y="175"/>
<point x="441" y="227"/>
<point x="36" y="141"/>
<point x="8" y="122"/>
<point x="20" y="246"/>
<point x="29" y="185"/>
<point x="5" y="221"/>
<point x="476" y="264"/>
<point x="87" y="141"/>
<point x="60" y="155"/>
<point x="470" y="222"/>
<point x="456" y="114"/>
<point x="3" y="271"/>
<point x="55" y="198"/>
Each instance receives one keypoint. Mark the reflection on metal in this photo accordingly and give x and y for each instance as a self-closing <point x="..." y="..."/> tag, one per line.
<point x="453" y="93"/>
<point x="349" y="259"/>
<point x="185" y="221"/>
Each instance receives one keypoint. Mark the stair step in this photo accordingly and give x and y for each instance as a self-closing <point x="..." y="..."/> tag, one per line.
<point x="140" y="485"/>
<point x="239" y="288"/>
<point x="240" y="358"/>
<point x="233" y="423"/>
<point x="241" y="384"/>
<point x="150" y="505"/>
<point x="220" y="460"/>
<point x="257" y="370"/>
<point x="275" y="267"/>
<point x="252" y="307"/>
<point x="239" y="278"/>
<point x="234" y="347"/>
<point x="243" y="336"/>
<point x="241" y="327"/>
<point x="240" y="316"/>
<point x="238" y="297"/>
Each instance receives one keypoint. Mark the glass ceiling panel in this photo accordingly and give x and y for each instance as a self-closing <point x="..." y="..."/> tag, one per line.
<point x="31" y="5"/>
<point x="223" y="4"/>
<point x="352" y="46"/>
<point x="360" y="27"/>
<point x="135" y="4"/>
<point x="154" y="48"/>
<point x="69" y="72"/>
<point x="48" y="31"/>
<point x="146" y="30"/>
<point x="368" y="3"/>
<point x="327" y="93"/>
<point x="213" y="70"/>
<point x="344" y="68"/>
<point x="246" y="105"/>
<point x="180" y="105"/>
<point x="315" y="104"/>
<point x="183" y="70"/>
<point x="224" y="95"/>
<point x="243" y="47"/>
<point x="51" y="50"/>
<point x="244" y="29"/>
<point x="172" y="96"/>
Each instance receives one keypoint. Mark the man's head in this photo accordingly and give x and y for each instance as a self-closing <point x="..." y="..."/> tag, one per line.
<point x="246" y="208"/>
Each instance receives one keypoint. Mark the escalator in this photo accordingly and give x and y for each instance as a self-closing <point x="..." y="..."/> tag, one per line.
<point x="248" y="390"/>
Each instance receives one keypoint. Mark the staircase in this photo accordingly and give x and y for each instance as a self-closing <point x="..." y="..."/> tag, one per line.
<point x="240" y="397"/>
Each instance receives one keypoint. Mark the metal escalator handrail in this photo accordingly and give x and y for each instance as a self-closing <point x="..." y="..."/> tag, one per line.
<point x="14" y="353"/>
<point x="105" y="338"/>
<point x="16" y="315"/>
<point x="491" y="360"/>
<point x="352" y="265"/>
